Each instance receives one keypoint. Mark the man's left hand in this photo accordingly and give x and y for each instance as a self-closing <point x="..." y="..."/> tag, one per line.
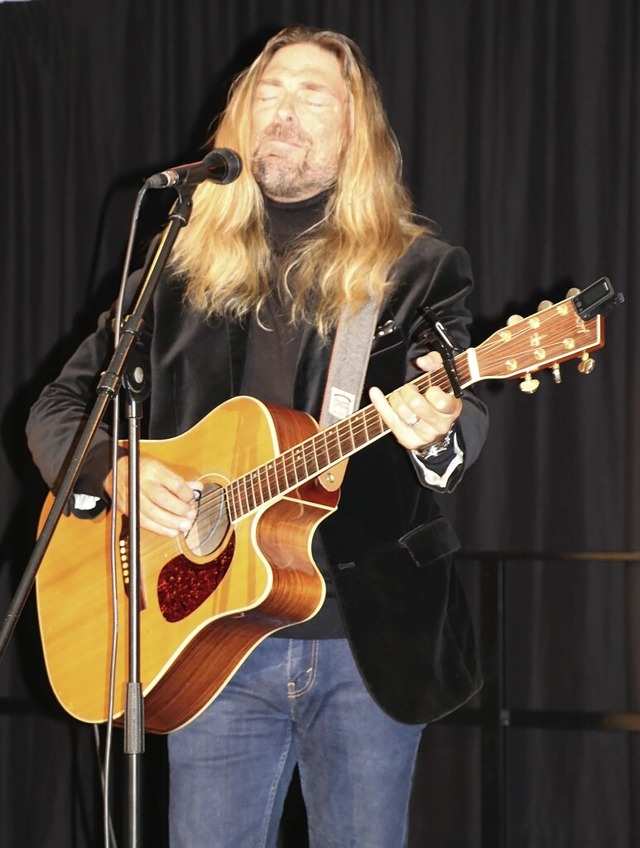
<point x="418" y="420"/>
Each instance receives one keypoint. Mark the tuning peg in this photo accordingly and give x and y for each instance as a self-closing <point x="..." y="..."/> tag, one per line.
<point x="586" y="364"/>
<point x="529" y="384"/>
<point x="573" y="291"/>
<point x="544" y="304"/>
<point x="555" y="370"/>
<point x="514" y="319"/>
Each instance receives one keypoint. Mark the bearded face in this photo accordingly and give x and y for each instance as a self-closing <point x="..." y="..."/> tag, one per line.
<point x="298" y="123"/>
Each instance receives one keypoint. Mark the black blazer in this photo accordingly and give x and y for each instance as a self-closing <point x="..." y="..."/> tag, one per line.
<point x="389" y="548"/>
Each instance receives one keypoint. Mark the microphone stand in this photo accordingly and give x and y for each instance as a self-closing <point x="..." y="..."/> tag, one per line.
<point x="110" y="383"/>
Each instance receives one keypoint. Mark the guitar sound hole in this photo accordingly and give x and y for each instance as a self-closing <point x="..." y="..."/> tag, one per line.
<point x="211" y="525"/>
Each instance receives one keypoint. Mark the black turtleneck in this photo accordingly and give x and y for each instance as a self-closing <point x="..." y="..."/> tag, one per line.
<point x="273" y="353"/>
<point x="274" y="343"/>
<point x="287" y="221"/>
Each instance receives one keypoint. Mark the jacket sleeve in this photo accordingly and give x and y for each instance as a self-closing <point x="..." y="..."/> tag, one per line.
<point x="446" y="285"/>
<point x="57" y="419"/>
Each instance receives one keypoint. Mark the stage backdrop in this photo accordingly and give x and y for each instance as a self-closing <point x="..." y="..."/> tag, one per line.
<point x="520" y="126"/>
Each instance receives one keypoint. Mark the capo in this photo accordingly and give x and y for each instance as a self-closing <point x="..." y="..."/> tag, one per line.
<point x="432" y="333"/>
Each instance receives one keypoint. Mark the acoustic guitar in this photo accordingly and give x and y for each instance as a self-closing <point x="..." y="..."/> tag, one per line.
<point x="269" y="477"/>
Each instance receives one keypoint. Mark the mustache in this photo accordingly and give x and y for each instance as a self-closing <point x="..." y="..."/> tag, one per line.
<point x="284" y="132"/>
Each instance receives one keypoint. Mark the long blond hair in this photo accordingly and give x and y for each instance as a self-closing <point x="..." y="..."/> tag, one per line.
<point x="224" y="254"/>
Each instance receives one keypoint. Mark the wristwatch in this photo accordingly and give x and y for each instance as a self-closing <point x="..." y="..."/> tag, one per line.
<point x="431" y="451"/>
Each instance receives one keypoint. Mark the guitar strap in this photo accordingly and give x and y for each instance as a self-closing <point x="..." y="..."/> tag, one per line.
<point x="349" y="358"/>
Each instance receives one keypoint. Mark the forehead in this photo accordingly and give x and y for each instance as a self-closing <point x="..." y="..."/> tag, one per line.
<point x="306" y="63"/>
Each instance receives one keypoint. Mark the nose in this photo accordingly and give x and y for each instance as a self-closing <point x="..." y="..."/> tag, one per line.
<point x="286" y="109"/>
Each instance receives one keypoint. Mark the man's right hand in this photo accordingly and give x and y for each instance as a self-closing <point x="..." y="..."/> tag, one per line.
<point x="167" y="501"/>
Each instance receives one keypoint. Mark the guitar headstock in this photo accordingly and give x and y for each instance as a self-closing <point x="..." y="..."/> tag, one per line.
<point x="557" y="332"/>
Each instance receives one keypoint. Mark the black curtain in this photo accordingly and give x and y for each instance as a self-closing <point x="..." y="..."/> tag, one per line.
<point x="520" y="126"/>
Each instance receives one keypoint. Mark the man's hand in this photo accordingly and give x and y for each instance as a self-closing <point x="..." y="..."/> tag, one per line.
<point x="418" y="420"/>
<point x="167" y="501"/>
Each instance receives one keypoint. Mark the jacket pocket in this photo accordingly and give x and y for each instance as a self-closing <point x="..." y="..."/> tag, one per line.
<point x="430" y="542"/>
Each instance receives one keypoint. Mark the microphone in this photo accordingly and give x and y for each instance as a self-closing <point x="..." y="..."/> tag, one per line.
<point x="221" y="165"/>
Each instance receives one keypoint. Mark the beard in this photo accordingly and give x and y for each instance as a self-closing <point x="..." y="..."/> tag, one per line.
<point x="281" y="176"/>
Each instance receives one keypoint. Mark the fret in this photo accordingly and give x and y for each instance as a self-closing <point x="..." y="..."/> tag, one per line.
<point x="244" y="493"/>
<point x="339" y="446"/>
<point x="294" y="469"/>
<point x="373" y="426"/>
<point x="299" y="464"/>
<point x="232" y="508"/>
<point x="364" y="433"/>
<point x="256" y="483"/>
<point x="311" y="458"/>
<point x="239" y="500"/>
<point x="463" y="370"/>
<point x="287" y="470"/>
<point x="272" y="479"/>
<point x="265" y="489"/>
<point x="323" y="450"/>
<point x="251" y="492"/>
<point x="345" y="435"/>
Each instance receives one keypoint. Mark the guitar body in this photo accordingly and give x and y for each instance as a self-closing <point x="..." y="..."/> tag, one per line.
<point x="207" y="598"/>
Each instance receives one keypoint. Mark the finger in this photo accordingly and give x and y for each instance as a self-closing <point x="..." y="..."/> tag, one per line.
<point x="413" y="419"/>
<point x="429" y="361"/>
<point x="401" y="427"/>
<point x="443" y="402"/>
<point x="382" y="405"/>
<point x="409" y="403"/>
<point x="172" y="491"/>
<point x="167" y="500"/>
<point x="154" y="514"/>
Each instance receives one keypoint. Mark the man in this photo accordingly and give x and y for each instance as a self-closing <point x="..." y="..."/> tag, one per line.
<point x="318" y="225"/>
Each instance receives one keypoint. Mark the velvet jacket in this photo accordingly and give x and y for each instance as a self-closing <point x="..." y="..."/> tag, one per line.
<point x="391" y="552"/>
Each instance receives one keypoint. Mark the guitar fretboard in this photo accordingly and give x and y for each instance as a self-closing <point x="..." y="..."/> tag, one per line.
<point x="318" y="453"/>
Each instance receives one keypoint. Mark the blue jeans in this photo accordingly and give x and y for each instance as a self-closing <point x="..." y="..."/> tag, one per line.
<point x="292" y="701"/>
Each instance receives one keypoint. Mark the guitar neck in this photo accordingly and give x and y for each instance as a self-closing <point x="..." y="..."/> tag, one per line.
<point x="328" y="447"/>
